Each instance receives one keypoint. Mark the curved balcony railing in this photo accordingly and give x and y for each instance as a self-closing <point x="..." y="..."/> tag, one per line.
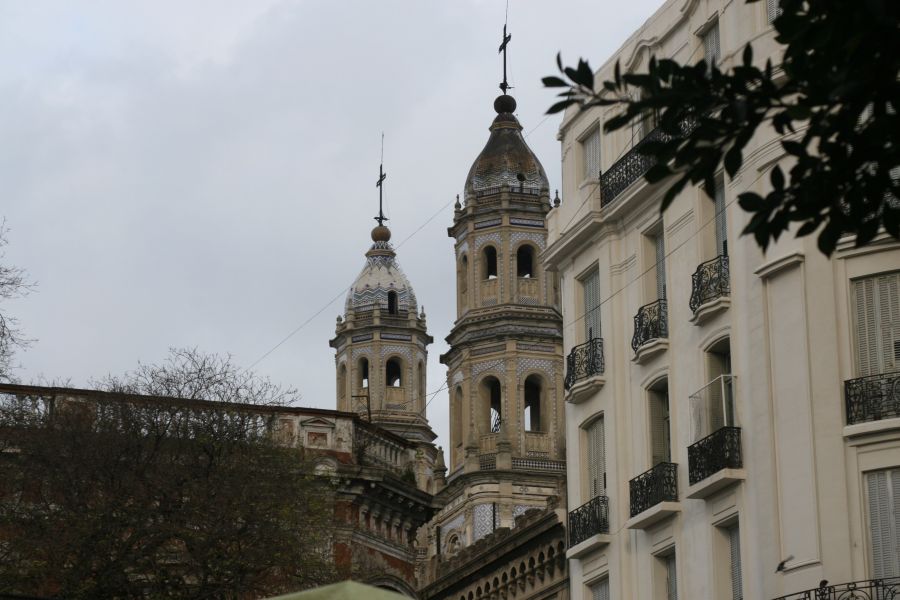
<point x="650" y="323"/>
<point x="585" y="360"/>
<point x="710" y="281"/>
<point x="719" y="450"/>
<point x="589" y="519"/>
<point x="872" y="398"/>
<point x="659" y="484"/>
<point x="633" y="164"/>
<point x="871" y="589"/>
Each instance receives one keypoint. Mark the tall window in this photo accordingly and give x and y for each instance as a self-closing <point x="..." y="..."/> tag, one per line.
<point x="490" y="263"/>
<point x="711" y="50"/>
<point x="463" y="280"/>
<point x="883" y="491"/>
<point x="392" y="303"/>
<point x="670" y="573"/>
<point x="659" y="251"/>
<point x="393" y="372"/>
<point x="721" y="223"/>
<point x="877" y="304"/>
<point x="362" y="373"/>
<point x="734" y="545"/>
<point x="773" y="9"/>
<point x="342" y="381"/>
<point x="525" y="261"/>
<point x="590" y="148"/>
<point x="590" y="287"/>
<point x="596" y="455"/>
<point x="532" y="411"/>
<point x="491" y="405"/>
<point x="600" y="590"/>
<point x="660" y="431"/>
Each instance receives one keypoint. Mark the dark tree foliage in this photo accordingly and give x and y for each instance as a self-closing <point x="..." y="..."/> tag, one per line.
<point x="118" y="496"/>
<point x="834" y="97"/>
<point x="13" y="284"/>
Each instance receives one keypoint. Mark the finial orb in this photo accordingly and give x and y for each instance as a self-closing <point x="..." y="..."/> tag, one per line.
<point x="505" y="104"/>
<point x="381" y="234"/>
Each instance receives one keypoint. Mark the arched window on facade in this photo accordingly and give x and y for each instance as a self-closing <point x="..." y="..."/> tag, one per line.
<point x="491" y="405"/>
<point x="489" y="258"/>
<point x="393" y="308"/>
<point x="532" y="404"/>
<point x="362" y="373"/>
<point x="393" y="371"/>
<point x="463" y="285"/>
<point x="525" y="261"/>
<point x="456" y="413"/>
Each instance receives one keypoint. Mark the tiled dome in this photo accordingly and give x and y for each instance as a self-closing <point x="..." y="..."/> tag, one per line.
<point x="381" y="275"/>
<point x="506" y="159"/>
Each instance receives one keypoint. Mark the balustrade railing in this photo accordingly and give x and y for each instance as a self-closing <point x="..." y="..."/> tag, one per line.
<point x="872" y="398"/>
<point x="710" y="281"/>
<point x="719" y="450"/>
<point x="871" y="589"/>
<point x="589" y="519"/>
<point x="585" y="360"/>
<point x="650" y="323"/>
<point x="487" y="462"/>
<point x="633" y="164"/>
<point x="659" y="484"/>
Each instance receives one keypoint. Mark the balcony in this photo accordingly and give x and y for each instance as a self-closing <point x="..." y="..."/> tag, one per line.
<point x="633" y="165"/>
<point x="872" y="398"/>
<point x="710" y="289"/>
<point x="715" y="462"/>
<point x="654" y="495"/>
<point x="588" y="527"/>
<point x="651" y="330"/>
<point x="490" y="292"/>
<point x="584" y="370"/>
<point x="872" y="589"/>
<point x="537" y="444"/>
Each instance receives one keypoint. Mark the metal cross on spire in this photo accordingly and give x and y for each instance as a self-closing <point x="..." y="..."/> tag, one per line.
<point x="379" y="184"/>
<point x="504" y="85"/>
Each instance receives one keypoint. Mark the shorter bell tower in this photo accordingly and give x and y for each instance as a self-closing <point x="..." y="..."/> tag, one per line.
<point x="381" y="343"/>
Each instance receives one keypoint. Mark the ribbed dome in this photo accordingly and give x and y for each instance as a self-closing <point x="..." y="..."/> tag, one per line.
<point x="381" y="275"/>
<point x="506" y="158"/>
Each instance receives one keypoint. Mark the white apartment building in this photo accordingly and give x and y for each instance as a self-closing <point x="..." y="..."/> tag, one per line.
<point x="732" y="417"/>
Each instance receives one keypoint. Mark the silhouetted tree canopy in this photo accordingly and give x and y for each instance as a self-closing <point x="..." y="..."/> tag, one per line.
<point x="834" y="98"/>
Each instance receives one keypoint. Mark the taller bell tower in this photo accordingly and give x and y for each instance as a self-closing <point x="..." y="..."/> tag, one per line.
<point x="505" y="364"/>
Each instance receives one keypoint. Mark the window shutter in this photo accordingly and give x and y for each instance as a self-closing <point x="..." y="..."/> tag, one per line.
<point x="734" y="540"/>
<point x="888" y="317"/>
<point x="596" y="435"/>
<point x="591" y="148"/>
<point x="660" y="244"/>
<point x="600" y="590"/>
<point x="591" y="285"/>
<point x="671" y="578"/>
<point x="711" y="49"/>
<point x="883" y="489"/>
<point x="721" y="223"/>
<point x="659" y="428"/>
<point x="773" y="9"/>
<point x="866" y="343"/>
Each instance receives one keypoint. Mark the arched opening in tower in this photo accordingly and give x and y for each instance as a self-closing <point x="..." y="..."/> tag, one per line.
<point x="392" y="303"/>
<point x="532" y="416"/>
<point x="491" y="401"/>
<point x="490" y="262"/>
<point x="393" y="373"/>
<point x="525" y="261"/>
<point x="363" y="373"/>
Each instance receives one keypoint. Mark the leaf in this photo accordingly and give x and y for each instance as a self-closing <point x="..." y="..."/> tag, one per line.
<point x="828" y="239"/>
<point x="553" y="81"/>
<point x="657" y="173"/>
<point x="733" y="160"/>
<point x="794" y="148"/>
<point x="748" y="55"/>
<point x="561" y="105"/>
<point x="777" y="178"/>
<point x="808" y="227"/>
<point x="751" y="202"/>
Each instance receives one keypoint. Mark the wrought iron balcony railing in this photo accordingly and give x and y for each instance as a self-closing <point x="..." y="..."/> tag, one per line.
<point x="633" y="164"/>
<point x="719" y="450"/>
<point x="872" y="398"/>
<point x="585" y="360"/>
<point x="650" y="323"/>
<point x="871" y="589"/>
<point x="589" y="519"/>
<point x="710" y="281"/>
<point x="659" y="484"/>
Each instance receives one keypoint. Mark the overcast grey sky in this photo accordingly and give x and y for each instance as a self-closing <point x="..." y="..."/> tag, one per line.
<point x="202" y="173"/>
